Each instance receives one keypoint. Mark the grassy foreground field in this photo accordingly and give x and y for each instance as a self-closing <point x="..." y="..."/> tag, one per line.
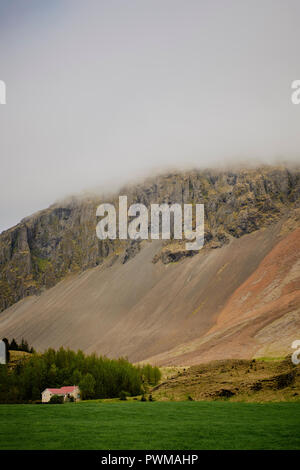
<point x="157" y="425"/>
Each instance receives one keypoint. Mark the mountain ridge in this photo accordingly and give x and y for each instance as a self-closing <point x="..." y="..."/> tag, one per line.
<point x="45" y="247"/>
<point x="151" y="300"/>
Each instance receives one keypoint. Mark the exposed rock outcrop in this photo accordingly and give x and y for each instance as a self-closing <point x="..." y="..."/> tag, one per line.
<point x="43" y="248"/>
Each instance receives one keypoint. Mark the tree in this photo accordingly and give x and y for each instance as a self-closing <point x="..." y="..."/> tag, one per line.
<point x="52" y="376"/>
<point x="87" y="386"/>
<point x="157" y="375"/>
<point x="35" y="394"/>
<point x="13" y="345"/>
<point x="76" y="377"/>
<point x="24" y="345"/>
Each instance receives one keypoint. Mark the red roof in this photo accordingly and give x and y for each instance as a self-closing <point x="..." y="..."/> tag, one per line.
<point x="62" y="390"/>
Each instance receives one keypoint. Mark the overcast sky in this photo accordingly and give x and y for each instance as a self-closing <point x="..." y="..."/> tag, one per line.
<point x="102" y="91"/>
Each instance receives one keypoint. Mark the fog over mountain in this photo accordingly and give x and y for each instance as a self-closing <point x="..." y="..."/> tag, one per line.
<point x="99" y="93"/>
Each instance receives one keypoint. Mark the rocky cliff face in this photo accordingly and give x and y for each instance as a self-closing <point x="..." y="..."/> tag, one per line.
<point x="44" y="248"/>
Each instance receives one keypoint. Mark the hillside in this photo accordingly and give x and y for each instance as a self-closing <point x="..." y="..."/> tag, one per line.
<point x="17" y="357"/>
<point x="233" y="380"/>
<point x="238" y="297"/>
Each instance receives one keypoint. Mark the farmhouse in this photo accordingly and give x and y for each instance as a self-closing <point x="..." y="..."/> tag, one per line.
<point x="67" y="392"/>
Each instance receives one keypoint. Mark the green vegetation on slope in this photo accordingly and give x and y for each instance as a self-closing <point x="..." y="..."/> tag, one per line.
<point x="235" y="380"/>
<point x="136" y="425"/>
<point x="97" y="377"/>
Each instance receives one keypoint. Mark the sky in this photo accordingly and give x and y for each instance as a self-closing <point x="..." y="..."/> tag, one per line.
<point x="100" y="92"/>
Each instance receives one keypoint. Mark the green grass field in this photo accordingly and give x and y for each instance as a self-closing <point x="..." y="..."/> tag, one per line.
<point x="156" y="425"/>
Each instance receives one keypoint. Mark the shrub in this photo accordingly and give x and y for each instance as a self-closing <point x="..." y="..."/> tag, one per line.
<point x="123" y="395"/>
<point x="56" y="400"/>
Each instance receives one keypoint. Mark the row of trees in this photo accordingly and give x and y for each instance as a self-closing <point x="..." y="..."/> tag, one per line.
<point x="97" y="377"/>
<point x="14" y="346"/>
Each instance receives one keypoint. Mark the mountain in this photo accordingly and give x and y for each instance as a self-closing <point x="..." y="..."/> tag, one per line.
<point x="238" y="297"/>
